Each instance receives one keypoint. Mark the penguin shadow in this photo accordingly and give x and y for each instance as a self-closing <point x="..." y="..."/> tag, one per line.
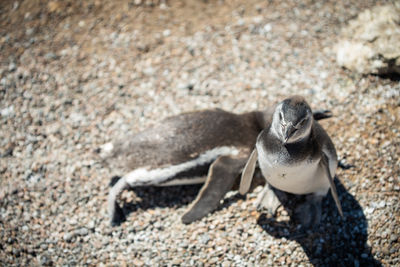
<point x="149" y="197"/>
<point x="335" y="241"/>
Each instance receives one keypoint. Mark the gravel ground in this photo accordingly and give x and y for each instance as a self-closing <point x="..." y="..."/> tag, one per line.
<point x="76" y="75"/>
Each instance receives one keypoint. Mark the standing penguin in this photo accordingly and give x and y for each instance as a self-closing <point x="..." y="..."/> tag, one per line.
<point x="297" y="156"/>
<point x="210" y="146"/>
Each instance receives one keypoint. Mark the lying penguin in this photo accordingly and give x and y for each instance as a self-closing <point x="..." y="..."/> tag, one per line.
<point x="210" y="147"/>
<point x="297" y="156"/>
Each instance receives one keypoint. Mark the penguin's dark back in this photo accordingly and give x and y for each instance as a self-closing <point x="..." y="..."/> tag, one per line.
<point x="186" y="136"/>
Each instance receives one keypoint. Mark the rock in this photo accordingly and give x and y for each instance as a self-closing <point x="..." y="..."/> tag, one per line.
<point x="82" y="231"/>
<point x="267" y="28"/>
<point x="7" y="112"/>
<point x="12" y="67"/>
<point x="204" y="238"/>
<point x="8" y="151"/>
<point x="68" y="236"/>
<point x="149" y="71"/>
<point x="166" y="32"/>
<point x="34" y="178"/>
<point x="177" y="262"/>
<point x="44" y="260"/>
<point x="54" y="6"/>
<point x="370" y="43"/>
<point x="50" y="56"/>
<point x="91" y="225"/>
<point x="30" y="31"/>
<point x="137" y="262"/>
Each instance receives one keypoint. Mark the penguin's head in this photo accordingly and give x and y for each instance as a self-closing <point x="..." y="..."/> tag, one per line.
<point x="292" y="120"/>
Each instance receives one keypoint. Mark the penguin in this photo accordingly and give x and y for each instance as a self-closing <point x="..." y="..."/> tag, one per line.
<point x="295" y="155"/>
<point x="208" y="146"/>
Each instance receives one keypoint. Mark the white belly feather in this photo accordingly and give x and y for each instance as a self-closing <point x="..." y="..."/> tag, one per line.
<point x="298" y="178"/>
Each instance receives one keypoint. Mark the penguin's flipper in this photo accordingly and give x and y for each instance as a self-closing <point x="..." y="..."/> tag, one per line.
<point x="248" y="172"/>
<point x="322" y="114"/>
<point x="114" y="210"/>
<point x="221" y="178"/>
<point x="325" y="165"/>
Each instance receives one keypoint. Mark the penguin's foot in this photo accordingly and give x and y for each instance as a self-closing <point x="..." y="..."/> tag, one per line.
<point x="268" y="200"/>
<point x="308" y="214"/>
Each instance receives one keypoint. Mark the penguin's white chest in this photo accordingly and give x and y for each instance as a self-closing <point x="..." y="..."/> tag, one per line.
<point x="298" y="178"/>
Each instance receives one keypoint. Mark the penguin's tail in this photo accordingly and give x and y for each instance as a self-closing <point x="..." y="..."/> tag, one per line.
<point x="322" y="114"/>
<point x="344" y="165"/>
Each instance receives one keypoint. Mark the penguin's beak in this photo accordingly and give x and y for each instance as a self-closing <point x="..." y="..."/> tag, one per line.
<point x="288" y="132"/>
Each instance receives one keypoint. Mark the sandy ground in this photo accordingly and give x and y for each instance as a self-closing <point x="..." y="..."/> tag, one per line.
<point x="75" y="75"/>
